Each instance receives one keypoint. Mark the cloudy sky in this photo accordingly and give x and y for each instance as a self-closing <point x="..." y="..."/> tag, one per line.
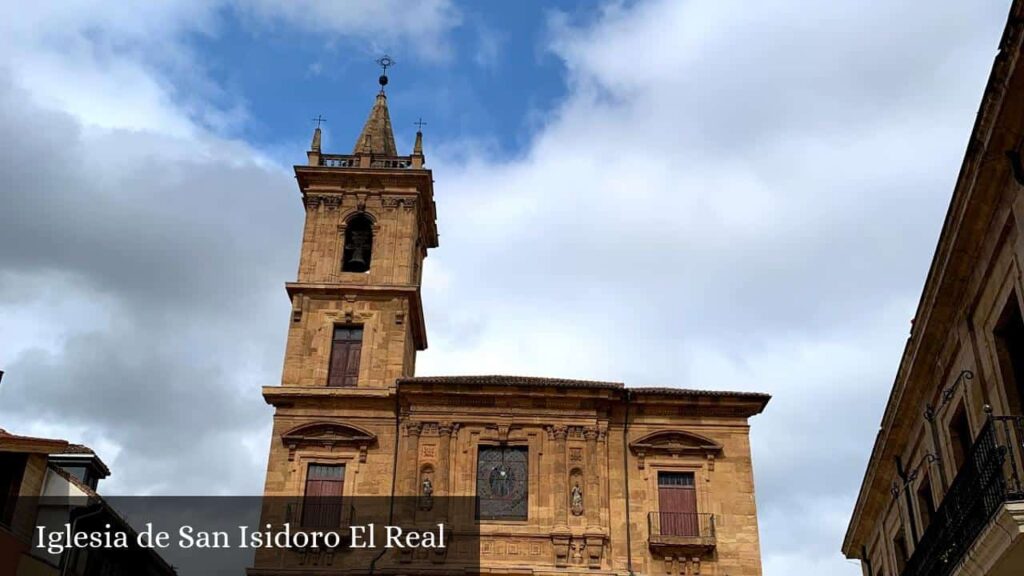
<point x="700" y="193"/>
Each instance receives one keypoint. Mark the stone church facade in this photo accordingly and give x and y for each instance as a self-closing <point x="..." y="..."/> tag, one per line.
<point x="567" y="476"/>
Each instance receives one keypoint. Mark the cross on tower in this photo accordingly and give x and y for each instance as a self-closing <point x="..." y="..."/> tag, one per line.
<point x="319" y="118"/>
<point x="420" y="124"/>
<point x="384" y="62"/>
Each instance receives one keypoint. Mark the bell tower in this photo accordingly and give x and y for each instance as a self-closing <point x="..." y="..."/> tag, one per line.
<point x="356" y="315"/>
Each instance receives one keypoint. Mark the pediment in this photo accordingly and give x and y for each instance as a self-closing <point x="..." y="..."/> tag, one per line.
<point x="329" y="435"/>
<point x="675" y="443"/>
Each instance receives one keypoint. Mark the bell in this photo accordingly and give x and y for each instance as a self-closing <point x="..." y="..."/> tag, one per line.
<point x="358" y="260"/>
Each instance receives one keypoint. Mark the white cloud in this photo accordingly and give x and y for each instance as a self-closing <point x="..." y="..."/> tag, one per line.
<point x="731" y="196"/>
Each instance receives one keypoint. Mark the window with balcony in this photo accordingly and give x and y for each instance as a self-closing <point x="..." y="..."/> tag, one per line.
<point x="321" y="502"/>
<point x="1009" y="338"/>
<point x="677" y="504"/>
<point x="925" y="502"/>
<point x="899" y="550"/>
<point x="960" y="437"/>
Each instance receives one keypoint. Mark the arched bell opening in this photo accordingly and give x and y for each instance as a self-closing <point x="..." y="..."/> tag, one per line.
<point x="358" y="244"/>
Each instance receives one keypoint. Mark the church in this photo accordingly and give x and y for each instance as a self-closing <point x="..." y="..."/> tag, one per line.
<point x="565" y="476"/>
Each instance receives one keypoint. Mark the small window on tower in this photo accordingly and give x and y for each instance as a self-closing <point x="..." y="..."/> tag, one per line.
<point x="345" y="350"/>
<point x="358" y="245"/>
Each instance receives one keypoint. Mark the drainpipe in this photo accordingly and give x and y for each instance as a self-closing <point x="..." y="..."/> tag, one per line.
<point x="394" y="474"/>
<point x="625" y="470"/>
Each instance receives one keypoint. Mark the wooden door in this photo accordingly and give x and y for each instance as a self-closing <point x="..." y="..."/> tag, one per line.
<point x="346" y="348"/>
<point x="321" y="505"/>
<point x="677" y="504"/>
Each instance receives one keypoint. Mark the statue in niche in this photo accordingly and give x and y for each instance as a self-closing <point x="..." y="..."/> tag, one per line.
<point x="576" y="500"/>
<point x="426" y="493"/>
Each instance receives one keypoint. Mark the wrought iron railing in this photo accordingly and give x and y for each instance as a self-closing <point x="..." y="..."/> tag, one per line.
<point x="665" y="526"/>
<point x="990" y="476"/>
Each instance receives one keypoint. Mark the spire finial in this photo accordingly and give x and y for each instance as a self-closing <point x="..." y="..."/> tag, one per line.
<point x="420" y="124"/>
<point x="315" y="145"/>
<point x="384" y="62"/>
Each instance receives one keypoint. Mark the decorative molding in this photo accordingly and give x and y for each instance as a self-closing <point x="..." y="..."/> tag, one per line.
<point x="328" y="435"/>
<point x="674" y="443"/>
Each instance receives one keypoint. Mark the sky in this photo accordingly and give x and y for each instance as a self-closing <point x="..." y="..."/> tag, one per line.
<point x="694" y="193"/>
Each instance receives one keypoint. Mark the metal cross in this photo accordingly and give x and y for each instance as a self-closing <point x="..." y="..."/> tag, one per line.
<point x="420" y="124"/>
<point x="384" y="62"/>
<point x="319" y="118"/>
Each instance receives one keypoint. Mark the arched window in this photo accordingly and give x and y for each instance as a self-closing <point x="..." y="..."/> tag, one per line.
<point x="358" y="244"/>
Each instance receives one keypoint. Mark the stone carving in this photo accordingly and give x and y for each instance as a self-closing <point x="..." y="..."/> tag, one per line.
<point x="576" y="500"/>
<point x="426" y="493"/>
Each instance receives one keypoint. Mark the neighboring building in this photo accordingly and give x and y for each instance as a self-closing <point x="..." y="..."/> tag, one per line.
<point x="47" y="482"/>
<point x="568" y="475"/>
<point x="944" y="489"/>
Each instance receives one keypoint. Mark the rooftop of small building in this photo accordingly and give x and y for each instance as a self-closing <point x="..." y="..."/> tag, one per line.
<point x="55" y="448"/>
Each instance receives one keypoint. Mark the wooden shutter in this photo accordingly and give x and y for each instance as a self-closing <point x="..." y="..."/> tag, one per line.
<point x="321" y="505"/>
<point x="677" y="504"/>
<point x="346" y="348"/>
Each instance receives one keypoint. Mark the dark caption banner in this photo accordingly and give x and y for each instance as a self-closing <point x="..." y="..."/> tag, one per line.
<point x="206" y="536"/>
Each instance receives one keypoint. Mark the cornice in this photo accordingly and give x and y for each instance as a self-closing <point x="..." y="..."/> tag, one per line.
<point x="409" y="292"/>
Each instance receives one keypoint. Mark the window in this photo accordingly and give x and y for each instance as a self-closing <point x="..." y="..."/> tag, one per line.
<point x="321" y="504"/>
<point x="1009" y="337"/>
<point x="12" y="468"/>
<point x="960" y="436"/>
<point x="899" y="548"/>
<point x="677" y="504"/>
<point x="502" y="483"/>
<point x="925" y="503"/>
<point x="346" y="347"/>
<point x="358" y="245"/>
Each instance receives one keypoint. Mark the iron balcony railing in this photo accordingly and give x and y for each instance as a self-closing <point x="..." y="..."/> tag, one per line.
<point x="990" y="476"/>
<point x="680" y="527"/>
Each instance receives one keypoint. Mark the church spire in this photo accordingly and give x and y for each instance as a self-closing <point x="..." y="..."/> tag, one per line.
<point x="377" y="136"/>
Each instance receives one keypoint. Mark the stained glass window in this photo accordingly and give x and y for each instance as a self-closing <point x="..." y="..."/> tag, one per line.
<point x="502" y="483"/>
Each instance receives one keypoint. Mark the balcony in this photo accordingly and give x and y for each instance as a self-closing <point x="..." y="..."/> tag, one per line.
<point x="354" y="161"/>
<point x="683" y="531"/>
<point x="990" y="479"/>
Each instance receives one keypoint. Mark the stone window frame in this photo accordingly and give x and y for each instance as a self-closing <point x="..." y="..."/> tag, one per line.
<point x="701" y="482"/>
<point x="531" y="474"/>
<point x="1004" y="283"/>
<point x="303" y="462"/>
<point x="339" y="244"/>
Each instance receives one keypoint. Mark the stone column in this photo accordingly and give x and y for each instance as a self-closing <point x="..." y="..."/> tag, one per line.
<point x="411" y="488"/>
<point x="443" y="473"/>
<point x="561" y="476"/>
<point x="592" y="475"/>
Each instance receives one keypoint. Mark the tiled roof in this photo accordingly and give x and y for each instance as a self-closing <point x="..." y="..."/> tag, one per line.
<point x="693" y="392"/>
<point x="499" y="380"/>
<point x="76" y="449"/>
<point x="29" y="444"/>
